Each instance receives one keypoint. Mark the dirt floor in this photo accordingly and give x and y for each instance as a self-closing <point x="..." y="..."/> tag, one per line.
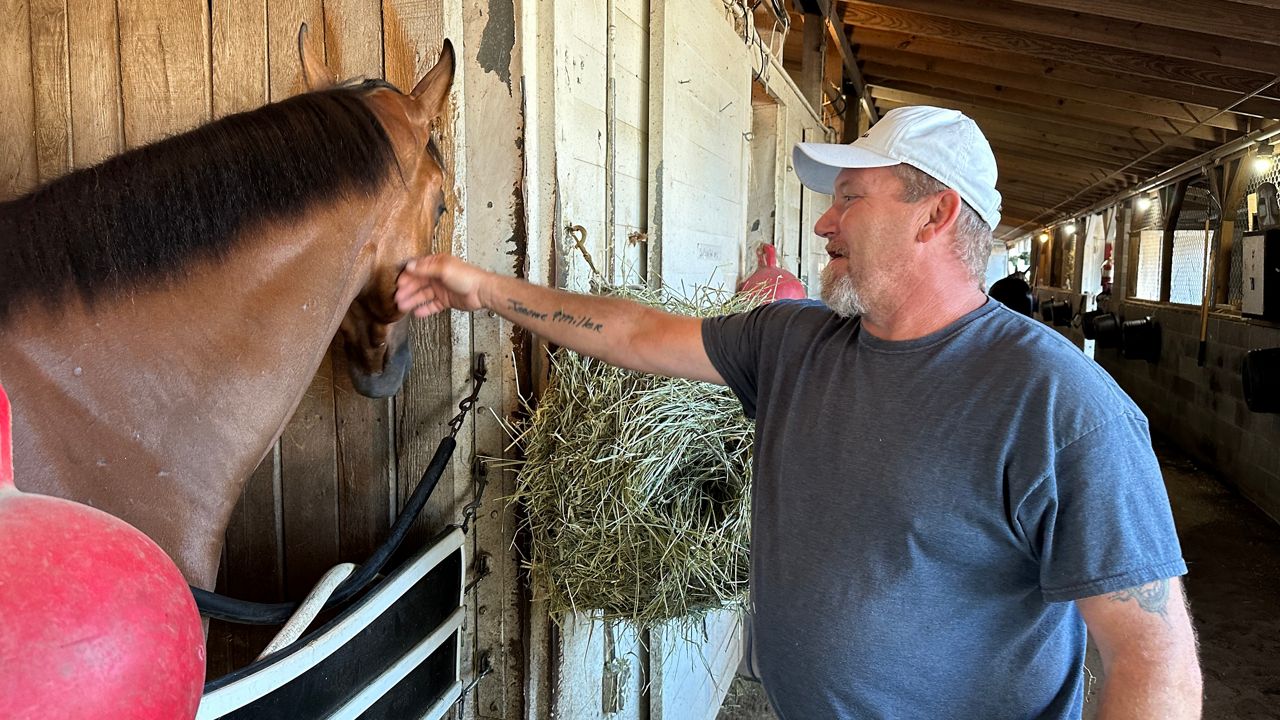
<point x="1232" y="551"/>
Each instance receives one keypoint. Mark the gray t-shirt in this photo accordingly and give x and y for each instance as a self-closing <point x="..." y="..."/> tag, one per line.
<point x="924" y="511"/>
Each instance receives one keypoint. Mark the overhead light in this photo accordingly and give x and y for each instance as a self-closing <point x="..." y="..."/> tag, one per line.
<point x="1143" y="204"/>
<point x="1265" y="158"/>
<point x="1044" y="237"/>
<point x="1070" y="228"/>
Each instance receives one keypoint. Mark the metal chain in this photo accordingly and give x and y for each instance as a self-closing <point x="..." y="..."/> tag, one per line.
<point x="478" y="377"/>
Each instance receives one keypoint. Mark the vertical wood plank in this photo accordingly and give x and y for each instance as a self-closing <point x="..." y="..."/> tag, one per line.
<point x="252" y="567"/>
<point x="309" y="486"/>
<point x="239" y="56"/>
<point x="352" y="38"/>
<point x="284" y="17"/>
<point x="253" y="558"/>
<point x="17" y="101"/>
<point x="52" y="87"/>
<point x="95" y="81"/>
<point x="164" y="67"/>
<point x="308" y="448"/>
<point x="353" y="48"/>
<point x="413" y="35"/>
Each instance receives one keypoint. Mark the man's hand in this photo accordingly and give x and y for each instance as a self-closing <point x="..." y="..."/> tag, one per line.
<point x="434" y="283"/>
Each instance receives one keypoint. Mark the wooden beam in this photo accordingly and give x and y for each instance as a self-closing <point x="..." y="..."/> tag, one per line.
<point x="812" y="65"/>
<point x="1071" y="138"/>
<point x="1079" y="179"/>
<point x="1171" y="212"/>
<point x="1160" y="44"/>
<point x="1084" y="109"/>
<point x="913" y="94"/>
<point x="1236" y="177"/>
<point x="887" y="46"/>
<point x="1051" y="47"/>
<point x="1044" y="198"/>
<point x="1023" y="146"/>
<point x="1231" y="20"/>
<point x="840" y="39"/>
<point x="1065" y="160"/>
<point x="895" y="64"/>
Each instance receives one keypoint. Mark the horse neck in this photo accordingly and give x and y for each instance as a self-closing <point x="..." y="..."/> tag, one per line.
<point x="176" y="394"/>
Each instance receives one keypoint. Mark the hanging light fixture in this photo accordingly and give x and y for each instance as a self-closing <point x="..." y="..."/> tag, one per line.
<point x="1264" y="159"/>
<point x="1143" y="203"/>
<point x="1070" y="228"/>
<point x="1044" y="236"/>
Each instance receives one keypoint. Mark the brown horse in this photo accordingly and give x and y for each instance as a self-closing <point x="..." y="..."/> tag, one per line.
<point x="162" y="314"/>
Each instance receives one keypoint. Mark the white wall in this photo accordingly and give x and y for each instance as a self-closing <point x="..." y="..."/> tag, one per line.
<point x="699" y="116"/>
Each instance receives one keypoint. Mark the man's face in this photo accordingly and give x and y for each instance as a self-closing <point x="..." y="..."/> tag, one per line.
<point x="870" y="236"/>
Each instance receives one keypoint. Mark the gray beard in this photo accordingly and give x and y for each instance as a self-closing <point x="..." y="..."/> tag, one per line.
<point x="840" y="295"/>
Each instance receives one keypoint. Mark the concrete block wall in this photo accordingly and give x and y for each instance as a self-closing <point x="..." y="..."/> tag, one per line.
<point x="1200" y="408"/>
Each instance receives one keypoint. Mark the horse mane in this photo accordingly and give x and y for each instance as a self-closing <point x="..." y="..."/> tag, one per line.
<point x="146" y="215"/>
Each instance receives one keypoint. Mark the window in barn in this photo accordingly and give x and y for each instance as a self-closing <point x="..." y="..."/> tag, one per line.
<point x="1186" y="281"/>
<point x="1148" y="217"/>
<point x="1149" y="257"/>
<point x="1244" y="221"/>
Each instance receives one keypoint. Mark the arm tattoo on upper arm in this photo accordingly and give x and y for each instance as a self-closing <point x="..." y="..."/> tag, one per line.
<point x="1152" y="597"/>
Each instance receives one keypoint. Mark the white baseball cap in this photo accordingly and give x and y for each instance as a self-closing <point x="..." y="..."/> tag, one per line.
<point x="943" y="143"/>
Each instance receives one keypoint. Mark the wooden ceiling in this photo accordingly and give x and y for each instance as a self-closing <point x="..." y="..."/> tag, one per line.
<point x="1081" y="99"/>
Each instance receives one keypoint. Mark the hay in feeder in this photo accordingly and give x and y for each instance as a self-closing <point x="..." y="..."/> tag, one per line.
<point x="636" y="487"/>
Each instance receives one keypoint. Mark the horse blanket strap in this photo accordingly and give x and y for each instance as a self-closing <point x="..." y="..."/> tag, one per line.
<point x="220" y="607"/>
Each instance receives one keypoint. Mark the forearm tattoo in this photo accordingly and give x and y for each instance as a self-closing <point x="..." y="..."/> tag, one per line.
<point x="559" y="316"/>
<point x="1152" y="597"/>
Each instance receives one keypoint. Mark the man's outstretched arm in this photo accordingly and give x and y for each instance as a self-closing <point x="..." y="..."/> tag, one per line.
<point x="617" y="331"/>
<point x="1148" y="648"/>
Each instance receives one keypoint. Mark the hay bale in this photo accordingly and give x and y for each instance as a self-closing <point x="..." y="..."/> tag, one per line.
<point x="636" y="488"/>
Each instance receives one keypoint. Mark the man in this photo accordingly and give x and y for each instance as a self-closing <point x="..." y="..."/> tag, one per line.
<point x="946" y="492"/>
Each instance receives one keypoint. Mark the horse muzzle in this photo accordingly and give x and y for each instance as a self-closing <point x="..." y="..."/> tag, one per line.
<point x="388" y="382"/>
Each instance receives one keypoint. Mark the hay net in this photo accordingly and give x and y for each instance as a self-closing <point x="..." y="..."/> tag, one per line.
<point x="636" y="488"/>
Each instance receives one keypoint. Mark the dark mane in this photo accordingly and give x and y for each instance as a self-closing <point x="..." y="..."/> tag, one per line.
<point x="144" y="216"/>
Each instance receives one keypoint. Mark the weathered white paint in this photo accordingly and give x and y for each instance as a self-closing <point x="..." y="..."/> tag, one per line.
<point x="489" y="231"/>
<point x="800" y="251"/>
<point x="637" y="114"/>
<point x="699" y="115"/>
<point x="692" y="673"/>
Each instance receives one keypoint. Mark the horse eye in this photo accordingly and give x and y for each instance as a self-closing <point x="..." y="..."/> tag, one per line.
<point x="441" y="210"/>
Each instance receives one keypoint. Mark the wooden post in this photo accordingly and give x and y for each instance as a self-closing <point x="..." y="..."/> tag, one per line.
<point x="1172" y="211"/>
<point x="812" y="64"/>
<point x="1235" y="178"/>
<point x="852" y="114"/>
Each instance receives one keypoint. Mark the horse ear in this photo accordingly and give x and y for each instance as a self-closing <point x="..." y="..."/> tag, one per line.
<point x="431" y="90"/>
<point x="315" y="74"/>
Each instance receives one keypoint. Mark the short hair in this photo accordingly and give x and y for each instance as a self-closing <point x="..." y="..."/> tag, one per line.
<point x="973" y="234"/>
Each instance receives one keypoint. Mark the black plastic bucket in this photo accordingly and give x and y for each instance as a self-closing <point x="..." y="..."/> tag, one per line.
<point x="1261" y="375"/>
<point x="1140" y="340"/>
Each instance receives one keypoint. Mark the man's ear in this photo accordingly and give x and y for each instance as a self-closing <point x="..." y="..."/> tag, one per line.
<point x="315" y="74"/>
<point x="944" y="211"/>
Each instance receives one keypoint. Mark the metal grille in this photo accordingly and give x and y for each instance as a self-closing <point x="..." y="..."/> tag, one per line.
<point x="1242" y="223"/>
<point x="1186" y="283"/>
<point x="1149" y="261"/>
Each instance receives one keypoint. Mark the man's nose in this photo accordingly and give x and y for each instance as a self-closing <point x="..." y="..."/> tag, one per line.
<point x="826" y="225"/>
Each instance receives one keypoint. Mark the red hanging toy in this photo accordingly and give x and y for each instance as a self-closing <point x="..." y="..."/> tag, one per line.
<point x="770" y="281"/>
<point x="96" y="621"/>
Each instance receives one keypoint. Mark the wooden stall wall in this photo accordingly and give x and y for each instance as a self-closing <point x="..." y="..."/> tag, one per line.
<point x="85" y="79"/>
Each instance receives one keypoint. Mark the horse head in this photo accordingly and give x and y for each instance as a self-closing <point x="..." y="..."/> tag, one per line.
<point x="374" y="333"/>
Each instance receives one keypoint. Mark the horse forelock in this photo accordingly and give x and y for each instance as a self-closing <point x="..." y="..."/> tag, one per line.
<point x="143" y="217"/>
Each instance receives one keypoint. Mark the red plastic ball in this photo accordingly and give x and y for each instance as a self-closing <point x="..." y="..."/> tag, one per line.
<point x="95" y="619"/>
